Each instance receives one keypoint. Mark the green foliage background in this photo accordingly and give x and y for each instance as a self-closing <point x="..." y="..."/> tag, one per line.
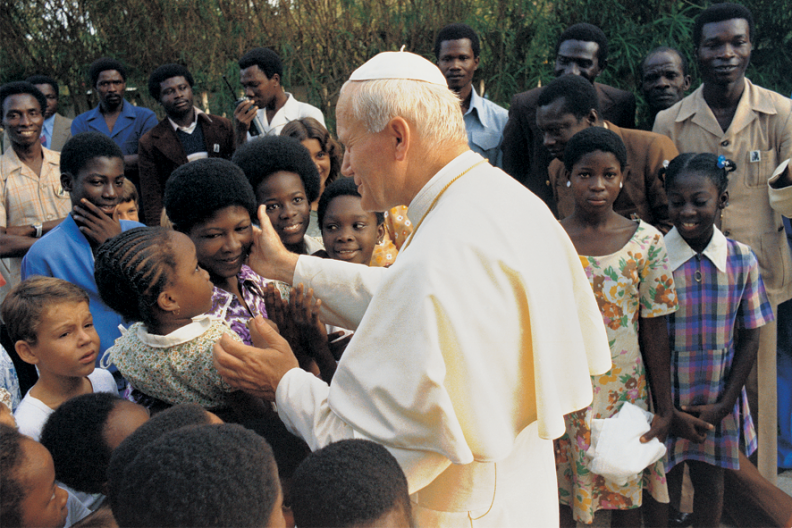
<point x="322" y="41"/>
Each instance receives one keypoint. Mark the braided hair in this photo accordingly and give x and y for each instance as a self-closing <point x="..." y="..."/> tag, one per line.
<point x="716" y="168"/>
<point x="132" y="269"/>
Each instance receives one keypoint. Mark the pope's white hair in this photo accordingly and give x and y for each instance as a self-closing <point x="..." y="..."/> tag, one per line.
<point x="433" y="110"/>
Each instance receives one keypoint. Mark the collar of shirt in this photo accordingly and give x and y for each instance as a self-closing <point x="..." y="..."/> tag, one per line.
<point x="188" y="129"/>
<point x="680" y="252"/>
<point x="46" y="129"/>
<point x="751" y="99"/>
<point x="183" y="335"/>
<point x="10" y="162"/>
<point x="477" y="104"/>
<point x="420" y="205"/>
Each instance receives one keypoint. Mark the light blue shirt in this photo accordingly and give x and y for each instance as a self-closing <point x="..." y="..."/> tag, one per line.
<point x="46" y="130"/>
<point x="484" y="122"/>
<point x="132" y="123"/>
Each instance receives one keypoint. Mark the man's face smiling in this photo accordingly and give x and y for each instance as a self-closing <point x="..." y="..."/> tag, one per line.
<point x="578" y="57"/>
<point x="663" y="82"/>
<point x="23" y="119"/>
<point x="364" y="156"/>
<point x="111" y="87"/>
<point x="725" y="51"/>
<point x="176" y="97"/>
<point x="457" y="63"/>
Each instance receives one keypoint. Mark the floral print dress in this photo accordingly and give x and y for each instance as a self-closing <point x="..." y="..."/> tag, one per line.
<point x="634" y="282"/>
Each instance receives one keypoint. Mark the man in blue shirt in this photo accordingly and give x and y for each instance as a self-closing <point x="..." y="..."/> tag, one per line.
<point x="457" y="50"/>
<point x="116" y="118"/>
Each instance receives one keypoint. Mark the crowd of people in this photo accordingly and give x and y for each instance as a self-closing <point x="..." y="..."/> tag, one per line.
<point x="248" y="322"/>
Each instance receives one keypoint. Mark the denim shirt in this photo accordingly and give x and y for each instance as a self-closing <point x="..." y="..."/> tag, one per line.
<point x="484" y="122"/>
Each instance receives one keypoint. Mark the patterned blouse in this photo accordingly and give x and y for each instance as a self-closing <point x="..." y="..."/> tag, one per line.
<point x="719" y="290"/>
<point x="176" y="368"/>
<point x="226" y="306"/>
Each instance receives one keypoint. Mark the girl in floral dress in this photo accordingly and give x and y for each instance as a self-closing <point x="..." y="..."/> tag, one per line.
<point x="627" y="266"/>
<point x="715" y="333"/>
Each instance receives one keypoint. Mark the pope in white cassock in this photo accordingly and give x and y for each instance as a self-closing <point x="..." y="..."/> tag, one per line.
<point x="469" y="350"/>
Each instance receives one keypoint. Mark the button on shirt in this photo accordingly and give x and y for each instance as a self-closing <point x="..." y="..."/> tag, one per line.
<point x="484" y="122"/>
<point x="132" y="123"/>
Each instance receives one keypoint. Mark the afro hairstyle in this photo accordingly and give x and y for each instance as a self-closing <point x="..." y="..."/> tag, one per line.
<point x="12" y="455"/>
<point x="21" y="87"/>
<point x="580" y="96"/>
<point x="457" y="32"/>
<point x="171" y="419"/>
<point x="594" y="139"/>
<point x="719" y="13"/>
<point x="586" y="33"/>
<point x="210" y="475"/>
<point x="267" y="60"/>
<point x="195" y="192"/>
<point x="74" y="435"/>
<point x="85" y="146"/>
<point x="105" y="64"/>
<point x="346" y="484"/>
<point x="165" y="72"/>
<point x="340" y="187"/>
<point x="264" y="156"/>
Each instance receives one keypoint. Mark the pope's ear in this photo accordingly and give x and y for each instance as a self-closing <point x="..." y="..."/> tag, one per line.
<point x="400" y="132"/>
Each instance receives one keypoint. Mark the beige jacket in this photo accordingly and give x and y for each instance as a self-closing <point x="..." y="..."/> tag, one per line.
<point x="758" y="139"/>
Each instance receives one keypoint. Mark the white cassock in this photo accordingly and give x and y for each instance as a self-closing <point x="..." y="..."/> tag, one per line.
<point x="468" y="351"/>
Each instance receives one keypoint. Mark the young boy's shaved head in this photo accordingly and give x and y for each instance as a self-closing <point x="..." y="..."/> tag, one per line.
<point x="351" y="483"/>
<point x="23" y="307"/>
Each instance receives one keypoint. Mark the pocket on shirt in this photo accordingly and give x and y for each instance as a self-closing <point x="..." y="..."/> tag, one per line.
<point x="758" y="172"/>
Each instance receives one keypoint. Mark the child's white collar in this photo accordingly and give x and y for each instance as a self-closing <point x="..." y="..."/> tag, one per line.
<point x="680" y="252"/>
<point x="180" y="336"/>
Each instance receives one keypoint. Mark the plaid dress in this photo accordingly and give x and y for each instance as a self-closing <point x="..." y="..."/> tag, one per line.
<point x="712" y="303"/>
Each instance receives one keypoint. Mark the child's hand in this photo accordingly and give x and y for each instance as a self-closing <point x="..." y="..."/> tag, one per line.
<point x="304" y="307"/>
<point x="94" y="223"/>
<point x="712" y="413"/>
<point x="688" y="426"/>
<point x="661" y="425"/>
<point x="337" y="342"/>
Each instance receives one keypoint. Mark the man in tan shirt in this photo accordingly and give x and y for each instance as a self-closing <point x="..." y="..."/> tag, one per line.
<point x="32" y="200"/>
<point x="730" y="116"/>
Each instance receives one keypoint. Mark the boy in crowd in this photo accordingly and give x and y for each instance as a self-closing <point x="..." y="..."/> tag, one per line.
<point x="51" y="327"/>
<point x="92" y="171"/>
<point x="128" y="207"/>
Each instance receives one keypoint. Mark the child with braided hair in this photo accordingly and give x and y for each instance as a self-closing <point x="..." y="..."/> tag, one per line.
<point x="151" y="277"/>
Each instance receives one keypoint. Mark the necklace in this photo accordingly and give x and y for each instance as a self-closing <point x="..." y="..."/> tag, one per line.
<point x="434" y="203"/>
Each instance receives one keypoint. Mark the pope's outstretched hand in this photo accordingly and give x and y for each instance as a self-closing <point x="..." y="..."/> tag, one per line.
<point x="255" y="369"/>
<point x="268" y="256"/>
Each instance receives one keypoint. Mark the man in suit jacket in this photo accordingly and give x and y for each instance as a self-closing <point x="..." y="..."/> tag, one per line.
<point x="56" y="130"/>
<point x="186" y="134"/>
<point x="581" y="50"/>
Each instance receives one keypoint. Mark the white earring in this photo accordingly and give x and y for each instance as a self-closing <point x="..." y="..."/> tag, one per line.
<point x="569" y="183"/>
<point x="621" y="184"/>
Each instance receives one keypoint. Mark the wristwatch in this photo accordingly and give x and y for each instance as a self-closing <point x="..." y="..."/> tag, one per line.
<point x="39" y="230"/>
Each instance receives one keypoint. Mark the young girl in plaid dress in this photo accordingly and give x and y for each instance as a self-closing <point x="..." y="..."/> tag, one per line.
<point x="715" y="333"/>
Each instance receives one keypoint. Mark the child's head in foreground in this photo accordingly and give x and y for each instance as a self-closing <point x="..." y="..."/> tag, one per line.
<point x="696" y="188"/>
<point x="83" y="432"/>
<point x="349" y="233"/>
<point x="51" y="326"/>
<point x="127" y="208"/>
<point x="151" y="274"/>
<point x="171" y="419"/>
<point x="30" y="497"/>
<point x="92" y="168"/>
<point x="351" y="483"/>
<point x="209" y="475"/>
<point x="285" y="181"/>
